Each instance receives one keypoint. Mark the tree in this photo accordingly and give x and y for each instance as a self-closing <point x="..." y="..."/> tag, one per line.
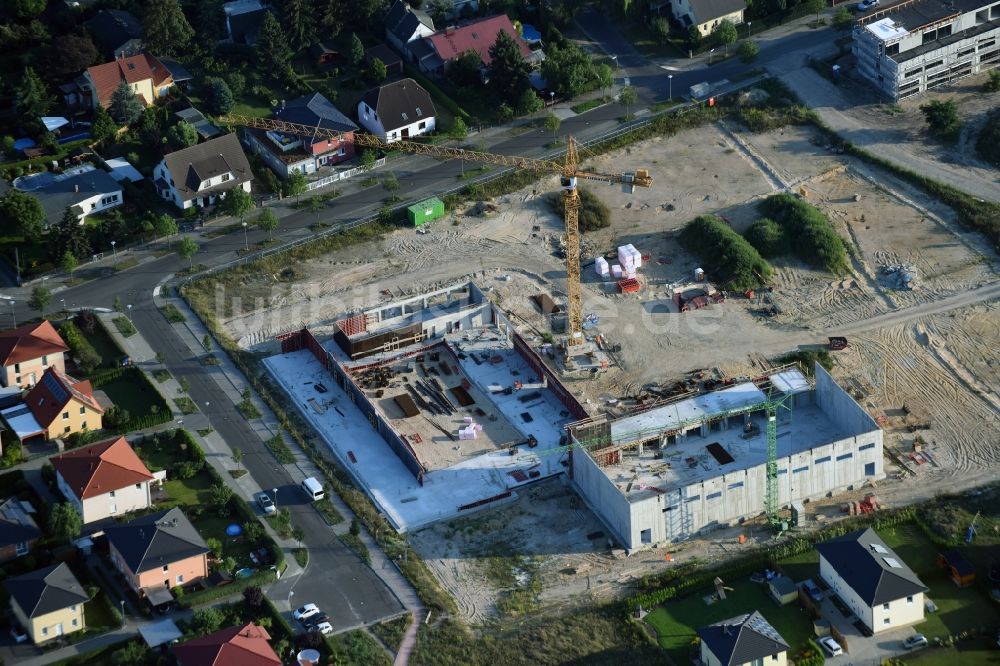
<point x="22" y="211"/>
<point x="164" y="225"/>
<point x="64" y="521"/>
<point x="605" y="77"/>
<point x="220" y="96"/>
<point x="377" y="71"/>
<point x="748" y="51"/>
<point x="694" y="37"/>
<point x="298" y="535"/>
<point x="296" y="184"/>
<point x="508" y="72"/>
<point x="466" y="69"/>
<point x="942" y="117"/>
<point x="368" y="159"/>
<point x="458" y="129"/>
<point x="215" y="546"/>
<point x="993" y="82"/>
<point x="187" y="248"/>
<point x="390" y="183"/>
<point x="628" y="97"/>
<point x="297" y="17"/>
<point x="237" y="203"/>
<point x="219" y="496"/>
<point x="357" y="52"/>
<point x="32" y="97"/>
<point x="552" y="123"/>
<point x="237" y="455"/>
<point x="814" y="6"/>
<point x="660" y="29"/>
<point x="133" y="654"/>
<point x="315" y="204"/>
<point x="103" y="126"/>
<point x="529" y="102"/>
<point x="254" y="597"/>
<point x="69" y="236"/>
<point x="206" y="621"/>
<point x="268" y="221"/>
<point x="125" y="106"/>
<point x="165" y="29"/>
<point x="26" y="9"/>
<point x="70" y="54"/>
<point x="182" y="135"/>
<point x="725" y="32"/>
<point x="40" y="297"/>
<point x="272" y="47"/>
<point x="843" y="19"/>
<point x="68" y="263"/>
<point x="569" y="70"/>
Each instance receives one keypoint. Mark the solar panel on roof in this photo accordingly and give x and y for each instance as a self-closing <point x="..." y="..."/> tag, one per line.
<point x="54" y="387"/>
<point x="893" y="562"/>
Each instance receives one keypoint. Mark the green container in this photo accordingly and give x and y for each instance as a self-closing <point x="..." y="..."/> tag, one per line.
<point x="425" y="211"/>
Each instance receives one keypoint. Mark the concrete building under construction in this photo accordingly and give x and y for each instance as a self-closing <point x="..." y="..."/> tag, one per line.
<point x="677" y="468"/>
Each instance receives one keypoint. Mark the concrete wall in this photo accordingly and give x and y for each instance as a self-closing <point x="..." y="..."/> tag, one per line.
<point x="602" y="496"/>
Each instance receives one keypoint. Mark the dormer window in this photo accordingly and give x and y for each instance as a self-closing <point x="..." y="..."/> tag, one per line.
<point x="225" y="177"/>
<point x="405" y="117"/>
<point x="419" y="112"/>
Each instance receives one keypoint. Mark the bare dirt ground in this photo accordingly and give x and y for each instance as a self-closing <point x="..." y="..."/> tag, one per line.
<point x="936" y="375"/>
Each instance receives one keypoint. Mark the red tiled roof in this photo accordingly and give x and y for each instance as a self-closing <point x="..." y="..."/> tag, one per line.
<point x="28" y="342"/>
<point x="234" y="646"/>
<point x="478" y="37"/>
<point x="132" y="69"/>
<point x="101" y="468"/>
<point x="55" y="390"/>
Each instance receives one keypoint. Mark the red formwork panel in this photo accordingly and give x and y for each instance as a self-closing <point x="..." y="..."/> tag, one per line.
<point x="629" y="286"/>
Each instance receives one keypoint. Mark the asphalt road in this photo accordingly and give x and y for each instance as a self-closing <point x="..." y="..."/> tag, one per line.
<point x="345" y="589"/>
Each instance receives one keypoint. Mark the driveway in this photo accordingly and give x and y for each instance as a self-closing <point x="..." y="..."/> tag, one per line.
<point x="863" y="650"/>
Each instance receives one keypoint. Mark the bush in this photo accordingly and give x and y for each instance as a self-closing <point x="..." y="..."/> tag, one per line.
<point x="993" y="82"/>
<point x="724" y="251"/>
<point x="768" y="237"/>
<point x="593" y="213"/>
<point x="86" y="356"/>
<point x="942" y="118"/>
<point x="807" y="231"/>
<point x="988" y="142"/>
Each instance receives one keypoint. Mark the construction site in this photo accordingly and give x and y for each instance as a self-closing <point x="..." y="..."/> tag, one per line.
<point x="357" y="335"/>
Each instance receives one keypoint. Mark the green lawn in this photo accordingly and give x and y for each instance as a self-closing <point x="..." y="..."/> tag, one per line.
<point x="210" y="524"/>
<point x="133" y="392"/>
<point x="97" y="613"/>
<point x="105" y="345"/>
<point x="190" y="492"/>
<point x="675" y="622"/>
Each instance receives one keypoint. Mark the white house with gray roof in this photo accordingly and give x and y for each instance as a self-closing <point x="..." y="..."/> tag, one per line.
<point x="88" y="192"/>
<point x="746" y="639"/>
<point x="399" y="110"/>
<point x="707" y="14"/>
<point x="202" y="174"/>
<point x="872" y="580"/>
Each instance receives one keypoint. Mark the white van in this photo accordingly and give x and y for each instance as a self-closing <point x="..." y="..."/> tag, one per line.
<point x="312" y="488"/>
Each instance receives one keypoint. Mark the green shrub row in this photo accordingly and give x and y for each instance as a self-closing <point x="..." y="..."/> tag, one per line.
<point x="202" y="597"/>
<point x="806" y="230"/>
<point x="724" y="252"/>
<point x="663" y="587"/>
<point x="84" y="352"/>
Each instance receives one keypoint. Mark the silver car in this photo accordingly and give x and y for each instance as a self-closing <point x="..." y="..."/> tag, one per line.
<point x="265" y="503"/>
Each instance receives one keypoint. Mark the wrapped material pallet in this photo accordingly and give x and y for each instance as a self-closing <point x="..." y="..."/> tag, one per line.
<point x="616" y="272"/>
<point x="601" y="267"/>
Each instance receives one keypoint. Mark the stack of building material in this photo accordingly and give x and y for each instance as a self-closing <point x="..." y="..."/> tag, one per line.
<point x="471" y="429"/>
<point x="602" y="268"/>
<point x="630" y="259"/>
<point x="616" y="272"/>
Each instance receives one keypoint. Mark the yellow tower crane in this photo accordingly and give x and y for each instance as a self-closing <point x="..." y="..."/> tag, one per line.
<point x="568" y="171"/>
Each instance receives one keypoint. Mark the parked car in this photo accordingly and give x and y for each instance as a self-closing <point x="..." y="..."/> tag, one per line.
<point x="812" y="590"/>
<point x="306" y="611"/>
<point x="831" y="646"/>
<point x="18" y="633"/>
<point x="314" y="621"/>
<point x="324" y="628"/>
<point x="265" y="503"/>
<point x="865" y="5"/>
<point x="915" y="641"/>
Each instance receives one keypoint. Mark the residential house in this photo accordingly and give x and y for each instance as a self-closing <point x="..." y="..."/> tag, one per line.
<point x="243" y="19"/>
<point x="446" y="46"/>
<point x="148" y="77"/>
<point x="399" y="110"/>
<point x="393" y="63"/>
<point x="116" y="32"/>
<point x="909" y="48"/>
<point x="202" y="174"/>
<point x="746" y="639"/>
<point x="158" y="552"/>
<point x="48" y="602"/>
<point x="29" y="350"/>
<point x="19" y="533"/>
<point x="707" y="14"/>
<point x="87" y="193"/>
<point x="62" y="405"/>
<point x="872" y="580"/>
<point x="405" y="25"/>
<point x="103" y="480"/>
<point x="246" y="645"/>
<point x="287" y="153"/>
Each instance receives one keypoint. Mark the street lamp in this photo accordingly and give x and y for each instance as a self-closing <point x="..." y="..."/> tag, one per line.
<point x="63" y="301"/>
<point x="615" y="58"/>
<point x="246" y="239"/>
<point x="670" y="78"/>
<point x="114" y="253"/>
<point x="748" y="29"/>
<point x="275" y="491"/>
<point x="12" y="318"/>
<point x="122" y="602"/>
<point x="710" y="52"/>
<point x="129" y="306"/>
<point x="552" y="98"/>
